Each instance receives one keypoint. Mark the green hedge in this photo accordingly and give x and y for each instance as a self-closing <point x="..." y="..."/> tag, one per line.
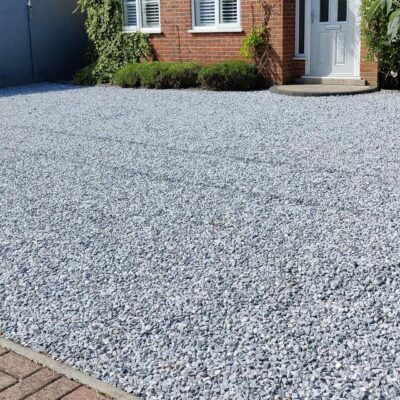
<point x="158" y="75"/>
<point x="230" y="75"/>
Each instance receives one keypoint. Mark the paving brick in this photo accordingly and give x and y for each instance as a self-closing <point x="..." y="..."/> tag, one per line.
<point x="85" y="393"/>
<point x="6" y="381"/>
<point x="17" y="366"/>
<point x="29" y="385"/>
<point x="3" y="351"/>
<point x="55" y="390"/>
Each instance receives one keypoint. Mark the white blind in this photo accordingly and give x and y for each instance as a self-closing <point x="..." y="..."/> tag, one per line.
<point x="229" y="11"/>
<point x="205" y="12"/>
<point x="130" y="13"/>
<point x="151" y="13"/>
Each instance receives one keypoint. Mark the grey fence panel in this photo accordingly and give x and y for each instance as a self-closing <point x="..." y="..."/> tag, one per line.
<point x="40" y="40"/>
<point x="58" y="37"/>
<point x="15" y="52"/>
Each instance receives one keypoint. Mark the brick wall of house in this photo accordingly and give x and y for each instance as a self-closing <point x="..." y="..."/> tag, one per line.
<point x="299" y="68"/>
<point x="175" y="43"/>
<point x="368" y="69"/>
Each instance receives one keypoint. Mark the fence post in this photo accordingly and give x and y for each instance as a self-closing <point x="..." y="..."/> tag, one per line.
<point x="29" y="16"/>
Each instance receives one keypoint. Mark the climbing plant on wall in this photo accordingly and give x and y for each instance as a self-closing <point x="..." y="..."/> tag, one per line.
<point x="109" y="47"/>
<point x="257" y="45"/>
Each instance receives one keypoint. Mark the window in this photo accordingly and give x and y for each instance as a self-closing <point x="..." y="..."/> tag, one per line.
<point x="301" y="13"/>
<point x="342" y="11"/>
<point x="323" y="10"/>
<point x="142" y="15"/>
<point x="216" y="15"/>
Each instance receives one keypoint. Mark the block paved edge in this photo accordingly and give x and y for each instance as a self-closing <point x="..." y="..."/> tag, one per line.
<point x="66" y="370"/>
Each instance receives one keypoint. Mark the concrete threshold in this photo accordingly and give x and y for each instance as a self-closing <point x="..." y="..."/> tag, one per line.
<point x="305" y="90"/>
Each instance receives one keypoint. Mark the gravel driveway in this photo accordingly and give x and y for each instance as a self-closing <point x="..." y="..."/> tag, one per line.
<point x="199" y="245"/>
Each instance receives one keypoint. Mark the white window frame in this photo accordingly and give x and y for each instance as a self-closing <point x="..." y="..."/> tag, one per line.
<point x="139" y="27"/>
<point x="218" y="27"/>
<point x="307" y="33"/>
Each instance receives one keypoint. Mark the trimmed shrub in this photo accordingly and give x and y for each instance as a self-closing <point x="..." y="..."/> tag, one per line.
<point x="177" y="75"/>
<point x="158" y="75"/>
<point x="148" y="73"/>
<point x="230" y="75"/>
<point x="128" y="76"/>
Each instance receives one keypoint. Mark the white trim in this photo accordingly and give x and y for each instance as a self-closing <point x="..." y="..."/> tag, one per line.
<point x="215" y="30"/>
<point x="218" y="27"/>
<point x="129" y="29"/>
<point x="139" y="27"/>
<point x="151" y="30"/>
<point x="357" y="42"/>
<point x="333" y="76"/>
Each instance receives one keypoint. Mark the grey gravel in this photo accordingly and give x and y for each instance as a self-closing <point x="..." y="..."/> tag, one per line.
<point x="199" y="245"/>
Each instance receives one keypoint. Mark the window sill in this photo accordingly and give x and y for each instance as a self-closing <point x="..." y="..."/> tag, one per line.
<point x="216" y="30"/>
<point x="143" y="30"/>
<point x="300" y="57"/>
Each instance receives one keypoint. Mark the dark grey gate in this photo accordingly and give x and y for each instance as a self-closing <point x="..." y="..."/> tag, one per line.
<point x="15" y="48"/>
<point x="40" y="40"/>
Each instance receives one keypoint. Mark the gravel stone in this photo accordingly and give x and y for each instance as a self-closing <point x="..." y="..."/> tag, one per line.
<point x="200" y="245"/>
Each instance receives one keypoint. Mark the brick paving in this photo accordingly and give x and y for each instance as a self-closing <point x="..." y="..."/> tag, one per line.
<point x="22" y="379"/>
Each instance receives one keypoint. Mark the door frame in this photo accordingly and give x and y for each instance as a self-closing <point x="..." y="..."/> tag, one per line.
<point x="307" y="41"/>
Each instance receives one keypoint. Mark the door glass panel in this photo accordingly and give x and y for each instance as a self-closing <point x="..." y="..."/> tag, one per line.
<point x="302" y="17"/>
<point x="323" y="10"/>
<point x="342" y="11"/>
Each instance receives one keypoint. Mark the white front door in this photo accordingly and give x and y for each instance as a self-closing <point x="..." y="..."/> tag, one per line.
<point x="333" y="37"/>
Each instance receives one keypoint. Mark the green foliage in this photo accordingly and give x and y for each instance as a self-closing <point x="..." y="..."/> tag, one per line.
<point x="148" y="73"/>
<point x="253" y="42"/>
<point x="109" y="47"/>
<point x="178" y="75"/>
<point x="390" y="11"/>
<point x="158" y="75"/>
<point x="128" y="76"/>
<point x="378" y="30"/>
<point x="85" y="76"/>
<point x="229" y="75"/>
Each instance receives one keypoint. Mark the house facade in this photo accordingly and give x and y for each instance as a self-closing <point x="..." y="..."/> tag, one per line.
<point x="310" y="38"/>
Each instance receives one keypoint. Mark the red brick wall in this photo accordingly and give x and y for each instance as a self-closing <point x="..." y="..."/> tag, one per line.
<point x="175" y="43"/>
<point x="368" y="69"/>
<point x="299" y="68"/>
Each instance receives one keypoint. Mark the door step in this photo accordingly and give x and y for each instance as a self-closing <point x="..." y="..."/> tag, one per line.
<point x="331" y="81"/>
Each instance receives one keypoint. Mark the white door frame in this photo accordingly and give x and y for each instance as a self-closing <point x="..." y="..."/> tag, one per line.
<point x="307" y="39"/>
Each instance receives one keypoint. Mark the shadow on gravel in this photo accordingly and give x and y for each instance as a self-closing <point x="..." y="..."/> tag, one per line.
<point x="35" y="88"/>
